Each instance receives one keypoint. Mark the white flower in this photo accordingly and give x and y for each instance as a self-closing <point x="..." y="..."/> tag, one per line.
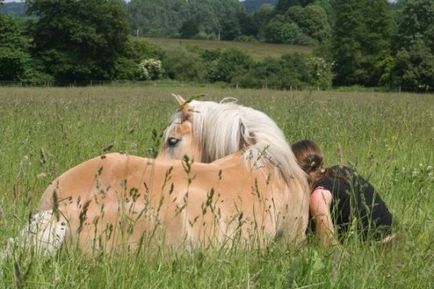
<point x="150" y="69"/>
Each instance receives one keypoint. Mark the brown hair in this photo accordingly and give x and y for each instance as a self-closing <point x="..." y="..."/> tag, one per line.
<point x="311" y="159"/>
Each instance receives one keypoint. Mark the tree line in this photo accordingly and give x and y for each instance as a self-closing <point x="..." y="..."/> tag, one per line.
<point x="356" y="42"/>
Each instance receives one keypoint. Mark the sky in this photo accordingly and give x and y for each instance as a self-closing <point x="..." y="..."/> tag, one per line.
<point x="127" y="1"/>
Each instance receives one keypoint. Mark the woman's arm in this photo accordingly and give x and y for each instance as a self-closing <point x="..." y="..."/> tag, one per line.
<point x="320" y="204"/>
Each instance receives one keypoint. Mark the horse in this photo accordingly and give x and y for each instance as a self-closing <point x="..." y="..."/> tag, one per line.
<point x="224" y="176"/>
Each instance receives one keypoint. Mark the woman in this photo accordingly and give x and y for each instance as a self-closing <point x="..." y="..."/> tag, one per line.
<point x="341" y="200"/>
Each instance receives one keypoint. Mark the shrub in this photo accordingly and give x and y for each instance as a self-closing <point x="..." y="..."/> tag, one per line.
<point x="320" y="74"/>
<point x="230" y="62"/>
<point x="126" y="69"/>
<point x="13" y="63"/>
<point x="136" y="50"/>
<point x="185" y="65"/>
<point x="291" y="71"/>
<point x="150" y="69"/>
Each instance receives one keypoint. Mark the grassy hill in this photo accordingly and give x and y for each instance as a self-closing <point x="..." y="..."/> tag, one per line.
<point x="257" y="50"/>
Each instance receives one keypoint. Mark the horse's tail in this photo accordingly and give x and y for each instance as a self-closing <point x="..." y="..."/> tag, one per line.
<point x="44" y="235"/>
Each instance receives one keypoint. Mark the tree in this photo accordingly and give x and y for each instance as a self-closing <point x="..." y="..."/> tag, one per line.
<point x="362" y="37"/>
<point x="414" y="65"/>
<point x="15" y="60"/>
<point x="282" y="30"/>
<point x="79" y="40"/>
<point x="230" y="29"/>
<point x="189" y="28"/>
<point x="346" y="47"/>
<point x="248" y="25"/>
<point x="261" y="17"/>
<point x="312" y="20"/>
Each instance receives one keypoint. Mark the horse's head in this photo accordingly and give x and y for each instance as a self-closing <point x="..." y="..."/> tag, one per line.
<point x="207" y="131"/>
<point x="179" y="137"/>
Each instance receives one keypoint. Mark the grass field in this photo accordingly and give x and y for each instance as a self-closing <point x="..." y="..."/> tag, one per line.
<point x="388" y="137"/>
<point x="256" y="50"/>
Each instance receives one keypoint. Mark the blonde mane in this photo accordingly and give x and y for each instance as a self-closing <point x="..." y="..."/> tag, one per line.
<point x="226" y="127"/>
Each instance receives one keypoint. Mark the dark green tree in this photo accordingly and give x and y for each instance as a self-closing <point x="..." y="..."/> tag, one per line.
<point x="414" y="66"/>
<point x="15" y="60"/>
<point x="328" y="6"/>
<point x="377" y="42"/>
<point x="312" y="20"/>
<point x="346" y="47"/>
<point x="189" y="28"/>
<point x="283" y="5"/>
<point x="248" y="25"/>
<point x="282" y="30"/>
<point x="362" y="38"/>
<point x="261" y="17"/>
<point x="79" y="40"/>
<point x="230" y="29"/>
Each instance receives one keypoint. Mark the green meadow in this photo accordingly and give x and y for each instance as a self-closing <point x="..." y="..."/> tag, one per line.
<point x="387" y="137"/>
<point x="257" y="50"/>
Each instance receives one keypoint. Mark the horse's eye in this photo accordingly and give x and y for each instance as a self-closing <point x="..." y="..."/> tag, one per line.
<point x="172" y="141"/>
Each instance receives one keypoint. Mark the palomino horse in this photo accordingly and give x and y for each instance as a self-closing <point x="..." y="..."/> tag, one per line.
<point x="238" y="183"/>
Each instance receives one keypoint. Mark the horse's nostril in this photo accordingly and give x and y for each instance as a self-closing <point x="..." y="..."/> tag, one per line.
<point x="172" y="141"/>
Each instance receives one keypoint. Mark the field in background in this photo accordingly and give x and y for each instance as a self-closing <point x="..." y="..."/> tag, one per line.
<point x="388" y="137"/>
<point x="257" y="50"/>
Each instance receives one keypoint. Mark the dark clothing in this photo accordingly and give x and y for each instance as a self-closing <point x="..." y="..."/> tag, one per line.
<point x="356" y="204"/>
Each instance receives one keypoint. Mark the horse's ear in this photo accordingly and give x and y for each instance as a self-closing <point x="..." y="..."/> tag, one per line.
<point x="246" y="138"/>
<point x="185" y="107"/>
<point x="179" y="99"/>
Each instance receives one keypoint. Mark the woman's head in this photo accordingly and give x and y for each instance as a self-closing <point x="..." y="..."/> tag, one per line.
<point x="309" y="157"/>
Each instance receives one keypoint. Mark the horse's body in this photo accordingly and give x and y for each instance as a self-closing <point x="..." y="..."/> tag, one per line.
<point x="132" y="199"/>
<point x="247" y="194"/>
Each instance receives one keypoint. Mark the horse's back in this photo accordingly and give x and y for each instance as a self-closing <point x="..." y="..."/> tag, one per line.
<point x="77" y="179"/>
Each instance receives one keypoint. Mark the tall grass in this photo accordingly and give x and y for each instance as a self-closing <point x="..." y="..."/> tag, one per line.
<point x="389" y="138"/>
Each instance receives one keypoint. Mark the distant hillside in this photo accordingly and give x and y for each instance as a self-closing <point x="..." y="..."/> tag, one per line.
<point x="217" y="19"/>
<point x="253" y="5"/>
<point x="13" y="8"/>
